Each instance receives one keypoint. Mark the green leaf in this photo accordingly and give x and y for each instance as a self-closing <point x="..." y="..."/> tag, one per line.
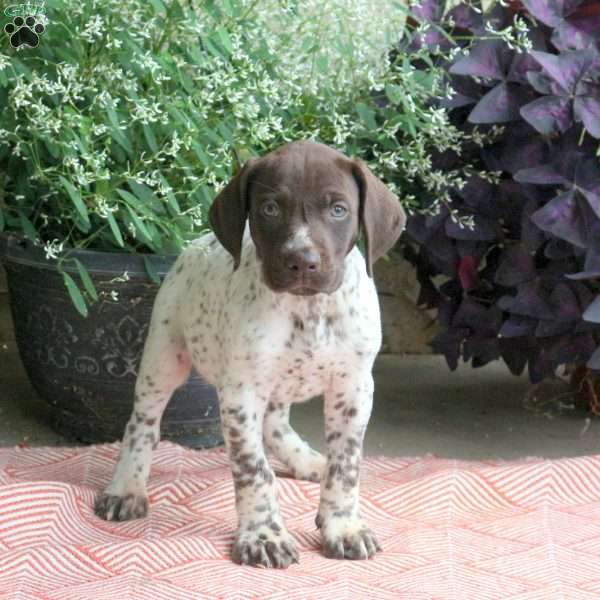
<point x="139" y="225"/>
<point x="116" y="132"/>
<point x="130" y="199"/>
<point x="394" y="93"/>
<point x="309" y="44"/>
<point x="75" y="294"/>
<point x="151" y="270"/>
<point x="147" y="196"/>
<point x="225" y="132"/>
<point x="213" y="136"/>
<point x="232" y="10"/>
<point x="86" y="279"/>
<point x="367" y="115"/>
<point x="27" y="227"/>
<point x="150" y="138"/>
<point x="170" y="196"/>
<point x="2" y="221"/>
<point x="224" y="39"/>
<point x="201" y="155"/>
<point x="159" y="7"/>
<point x="115" y="229"/>
<point x="52" y="148"/>
<point x="212" y="48"/>
<point x="77" y="201"/>
<point x="180" y="117"/>
<point x="322" y="63"/>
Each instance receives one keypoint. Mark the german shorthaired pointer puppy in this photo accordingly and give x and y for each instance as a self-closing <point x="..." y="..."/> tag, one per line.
<point x="274" y="314"/>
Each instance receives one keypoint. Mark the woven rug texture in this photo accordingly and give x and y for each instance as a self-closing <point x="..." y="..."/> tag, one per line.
<point x="450" y="530"/>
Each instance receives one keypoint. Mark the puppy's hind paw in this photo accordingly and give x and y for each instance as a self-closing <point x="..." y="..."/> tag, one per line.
<point x="121" y="508"/>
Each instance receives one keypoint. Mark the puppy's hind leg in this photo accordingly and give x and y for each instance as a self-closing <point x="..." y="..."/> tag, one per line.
<point x="165" y="366"/>
<point x="288" y="446"/>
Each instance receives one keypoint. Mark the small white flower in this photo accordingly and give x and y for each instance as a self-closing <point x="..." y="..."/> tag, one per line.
<point x="94" y="29"/>
<point x="53" y="248"/>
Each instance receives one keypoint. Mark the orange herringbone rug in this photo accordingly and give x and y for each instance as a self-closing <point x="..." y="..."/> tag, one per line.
<point x="449" y="529"/>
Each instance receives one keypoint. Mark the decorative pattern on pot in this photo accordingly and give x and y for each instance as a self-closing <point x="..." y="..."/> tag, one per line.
<point x="51" y="336"/>
<point x="122" y="342"/>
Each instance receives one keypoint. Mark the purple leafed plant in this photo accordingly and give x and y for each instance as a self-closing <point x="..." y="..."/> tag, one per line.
<point x="522" y="282"/>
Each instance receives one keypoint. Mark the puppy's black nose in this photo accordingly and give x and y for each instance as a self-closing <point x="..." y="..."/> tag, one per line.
<point x="303" y="261"/>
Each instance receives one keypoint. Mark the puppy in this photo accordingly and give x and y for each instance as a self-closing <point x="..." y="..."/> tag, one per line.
<point x="271" y="314"/>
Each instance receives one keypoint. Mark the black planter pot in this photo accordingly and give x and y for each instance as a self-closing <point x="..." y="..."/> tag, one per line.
<point x="86" y="367"/>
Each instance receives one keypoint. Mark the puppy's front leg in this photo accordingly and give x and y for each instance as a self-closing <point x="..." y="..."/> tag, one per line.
<point x="262" y="538"/>
<point x="348" y="406"/>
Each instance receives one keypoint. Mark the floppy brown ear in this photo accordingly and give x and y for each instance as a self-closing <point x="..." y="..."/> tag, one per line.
<point x="381" y="215"/>
<point x="229" y="210"/>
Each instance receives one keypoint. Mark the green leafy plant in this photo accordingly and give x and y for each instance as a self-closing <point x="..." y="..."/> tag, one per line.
<point x="117" y="131"/>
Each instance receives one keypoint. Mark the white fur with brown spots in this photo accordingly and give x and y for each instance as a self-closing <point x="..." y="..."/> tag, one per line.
<point x="263" y="350"/>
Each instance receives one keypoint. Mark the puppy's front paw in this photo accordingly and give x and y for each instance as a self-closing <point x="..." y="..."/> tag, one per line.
<point x="267" y="546"/>
<point x="121" y="508"/>
<point x="345" y="537"/>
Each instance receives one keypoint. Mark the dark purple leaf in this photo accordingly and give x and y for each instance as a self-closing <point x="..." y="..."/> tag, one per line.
<point x="551" y="12"/>
<point x="592" y="256"/>
<point x="540" y="365"/>
<point x="428" y="293"/>
<point x="561" y="216"/>
<point x="594" y="361"/>
<point x="467" y="19"/>
<point x="519" y="149"/>
<point x="584" y="294"/>
<point x="428" y="10"/>
<point x="583" y="275"/>
<point x="530" y="301"/>
<point x="521" y="65"/>
<point x="573" y="348"/>
<point x="489" y="59"/>
<point x="587" y="110"/>
<point x="449" y="343"/>
<point x="517" y="326"/>
<point x="560" y="171"/>
<point x="541" y="83"/>
<point x="577" y="33"/>
<point x="481" y="322"/>
<point x="478" y="194"/>
<point x="565" y="303"/>
<point x="550" y="115"/>
<point x="431" y="38"/>
<point x="548" y="328"/>
<point x="500" y="105"/>
<point x="471" y="315"/>
<point x="543" y="175"/>
<point x="567" y="68"/>
<point x="592" y="312"/>
<point x="532" y="237"/>
<point x="466" y="91"/>
<point x="517" y="266"/>
<point x="557" y="249"/>
<point x="515" y="353"/>
<point x="422" y="227"/>
<point x="482" y="350"/>
<point x="587" y="181"/>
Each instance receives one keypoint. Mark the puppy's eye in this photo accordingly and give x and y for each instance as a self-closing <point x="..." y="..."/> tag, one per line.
<point x="339" y="210"/>
<point x="270" y="209"/>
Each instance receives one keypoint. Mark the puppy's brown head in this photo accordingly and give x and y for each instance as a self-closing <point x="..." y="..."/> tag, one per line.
<point x="307" y="205"/>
